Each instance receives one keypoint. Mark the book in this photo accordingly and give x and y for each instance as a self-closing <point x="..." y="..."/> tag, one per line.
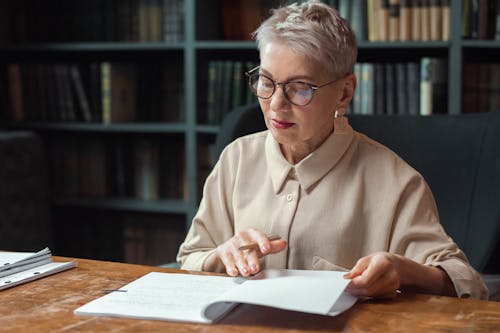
<point x="207" y="298"/>
<point x="405" y="23"/>
<point x="425" y="20"/>
<point x="373" y="9"/>
<point x="394" y="20"/>
<point x="435" y="20"/>
<point x="390" y="85"/>
<point x="21" y="267"/>
<point x="118" y="92"/>
<point x="445" y="20"/>
<point x="367" y="89"/>
<point x="402" y="88"/>
<point x="416" y="20"/>
<point x="383" y="26"/>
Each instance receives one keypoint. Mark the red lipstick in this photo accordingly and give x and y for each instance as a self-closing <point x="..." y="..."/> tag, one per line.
<point x="281" y="124"/>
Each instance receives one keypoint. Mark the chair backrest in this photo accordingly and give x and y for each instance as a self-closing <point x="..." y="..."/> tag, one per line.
<point x="458" y="155"/>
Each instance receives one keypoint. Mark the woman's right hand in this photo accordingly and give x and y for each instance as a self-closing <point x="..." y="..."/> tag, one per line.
<point x="246" y="262"/>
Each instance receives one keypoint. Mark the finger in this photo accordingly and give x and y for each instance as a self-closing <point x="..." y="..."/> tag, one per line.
<point x="358" y="269"/>
<point x="377" y="267"/>
<point x="228" y="262"/>
<point x="261" y="240"/>
<point x="277" y="246"/>
<point x="384" y="287"/>
<point x="241" y="262"/>
<point x="253" y="261"/>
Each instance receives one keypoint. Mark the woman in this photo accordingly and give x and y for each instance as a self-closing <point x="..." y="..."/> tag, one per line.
<point x="339" y="200"/>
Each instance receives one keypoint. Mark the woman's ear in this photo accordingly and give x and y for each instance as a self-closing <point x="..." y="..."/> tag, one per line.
<point x="347" y="91"/>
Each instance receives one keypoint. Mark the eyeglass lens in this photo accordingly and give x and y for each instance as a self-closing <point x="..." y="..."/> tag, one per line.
<point x="295" y="92"/>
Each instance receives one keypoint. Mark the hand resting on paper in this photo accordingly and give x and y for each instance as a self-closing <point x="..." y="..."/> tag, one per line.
<point x="382" y="274"/>
<point x="246" y="262"/>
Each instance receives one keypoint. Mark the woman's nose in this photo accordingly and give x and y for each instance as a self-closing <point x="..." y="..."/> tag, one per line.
<point x="278" y="99"/>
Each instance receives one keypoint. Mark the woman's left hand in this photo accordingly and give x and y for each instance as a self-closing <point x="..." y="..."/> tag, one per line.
<point x="383" y="274"/>
<point x="376" y="275"/>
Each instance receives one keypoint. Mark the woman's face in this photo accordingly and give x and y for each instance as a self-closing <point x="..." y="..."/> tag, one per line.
<point x="298" y="129"/>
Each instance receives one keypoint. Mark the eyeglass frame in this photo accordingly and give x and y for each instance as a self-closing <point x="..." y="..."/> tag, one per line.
<point x="312" y="87"/>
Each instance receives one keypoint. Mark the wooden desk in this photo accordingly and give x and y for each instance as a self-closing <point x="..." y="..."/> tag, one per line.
<point x="47" y="305"/>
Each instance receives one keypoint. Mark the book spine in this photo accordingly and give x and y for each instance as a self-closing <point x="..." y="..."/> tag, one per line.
<point x="416" y="20"/>
<point x="81" y="96"/>
<point x="15" y="92"/>
<point x="413" y="77"/>
<point x="367" y="97"/>
<point x="373" y="8"/>
<point x="380" y="88"/>
<point x="426" y="86"/>
<point x="465" y="18"/>
<point x="425" y="20"/>
<point x="402" y="84"/>
<point x="106" y="92"/>
<point x="445" y="16"/>
<point x="358" y="93"/>
<point x="405" y="26"/>
<point x="384" y="20"/>
<point x="394" y="20"/>
<point x="435" y="20"/>
<point x="390" y="94"/>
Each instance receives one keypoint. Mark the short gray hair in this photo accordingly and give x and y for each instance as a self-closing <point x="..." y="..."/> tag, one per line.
<point x="315" y="30"/>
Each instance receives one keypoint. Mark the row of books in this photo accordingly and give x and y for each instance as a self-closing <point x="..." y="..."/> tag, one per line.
<point x="94" y="20"/>
<point x="481" y="19"/>
<point x="481" y="87"/>
<point x="144" y="169"/>
<point x="226" y="89"/>
<point x="373" y="20"/>
<point x="415" y="88"/>
<point x="407" y="20"/>
<point x="96" y="92"/>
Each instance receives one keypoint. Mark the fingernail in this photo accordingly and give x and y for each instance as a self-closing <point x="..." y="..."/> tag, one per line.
<point x="253" y="268"/>
<point x="265" y="248"/>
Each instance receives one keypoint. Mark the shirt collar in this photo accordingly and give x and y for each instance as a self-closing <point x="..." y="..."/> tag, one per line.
<point x="314" y="166"/>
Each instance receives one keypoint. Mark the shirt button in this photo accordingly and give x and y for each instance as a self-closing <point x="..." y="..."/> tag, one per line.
<point x="289" y="197"/>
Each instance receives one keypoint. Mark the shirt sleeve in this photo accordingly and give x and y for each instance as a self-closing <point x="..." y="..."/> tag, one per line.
<point x="418" y="234"/>
<point x="212" y="224"/>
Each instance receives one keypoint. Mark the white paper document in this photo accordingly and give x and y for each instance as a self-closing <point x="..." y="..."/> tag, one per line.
<point x="34" y="273"/>
<point x="205" y="299"/>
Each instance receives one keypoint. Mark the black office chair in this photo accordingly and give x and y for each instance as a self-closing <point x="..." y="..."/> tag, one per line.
<point x="458" y="155"/>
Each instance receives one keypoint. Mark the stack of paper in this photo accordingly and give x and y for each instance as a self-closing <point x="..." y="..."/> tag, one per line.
<point x="21" y="267"/>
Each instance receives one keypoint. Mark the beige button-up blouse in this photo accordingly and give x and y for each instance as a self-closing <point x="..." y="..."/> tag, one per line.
<point x="350" y="198"/>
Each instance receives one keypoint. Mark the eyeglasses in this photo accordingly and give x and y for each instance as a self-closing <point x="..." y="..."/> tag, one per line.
<point x="296" y="92"/>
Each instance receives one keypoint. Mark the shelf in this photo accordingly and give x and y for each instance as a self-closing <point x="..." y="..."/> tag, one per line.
<point x="207" y="129"/>
<point x="162" y="206"/>
<point x="226" y="45"/>
<point x="366" y="45"/>
<point x="94" y="47"/>
<point x="481" y="44"/>
<point x="147" y="128"/>
<point x="251" y="45"/>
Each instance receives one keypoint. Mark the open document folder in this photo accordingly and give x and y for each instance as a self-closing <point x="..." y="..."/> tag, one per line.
<point x="205" y="298"/>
